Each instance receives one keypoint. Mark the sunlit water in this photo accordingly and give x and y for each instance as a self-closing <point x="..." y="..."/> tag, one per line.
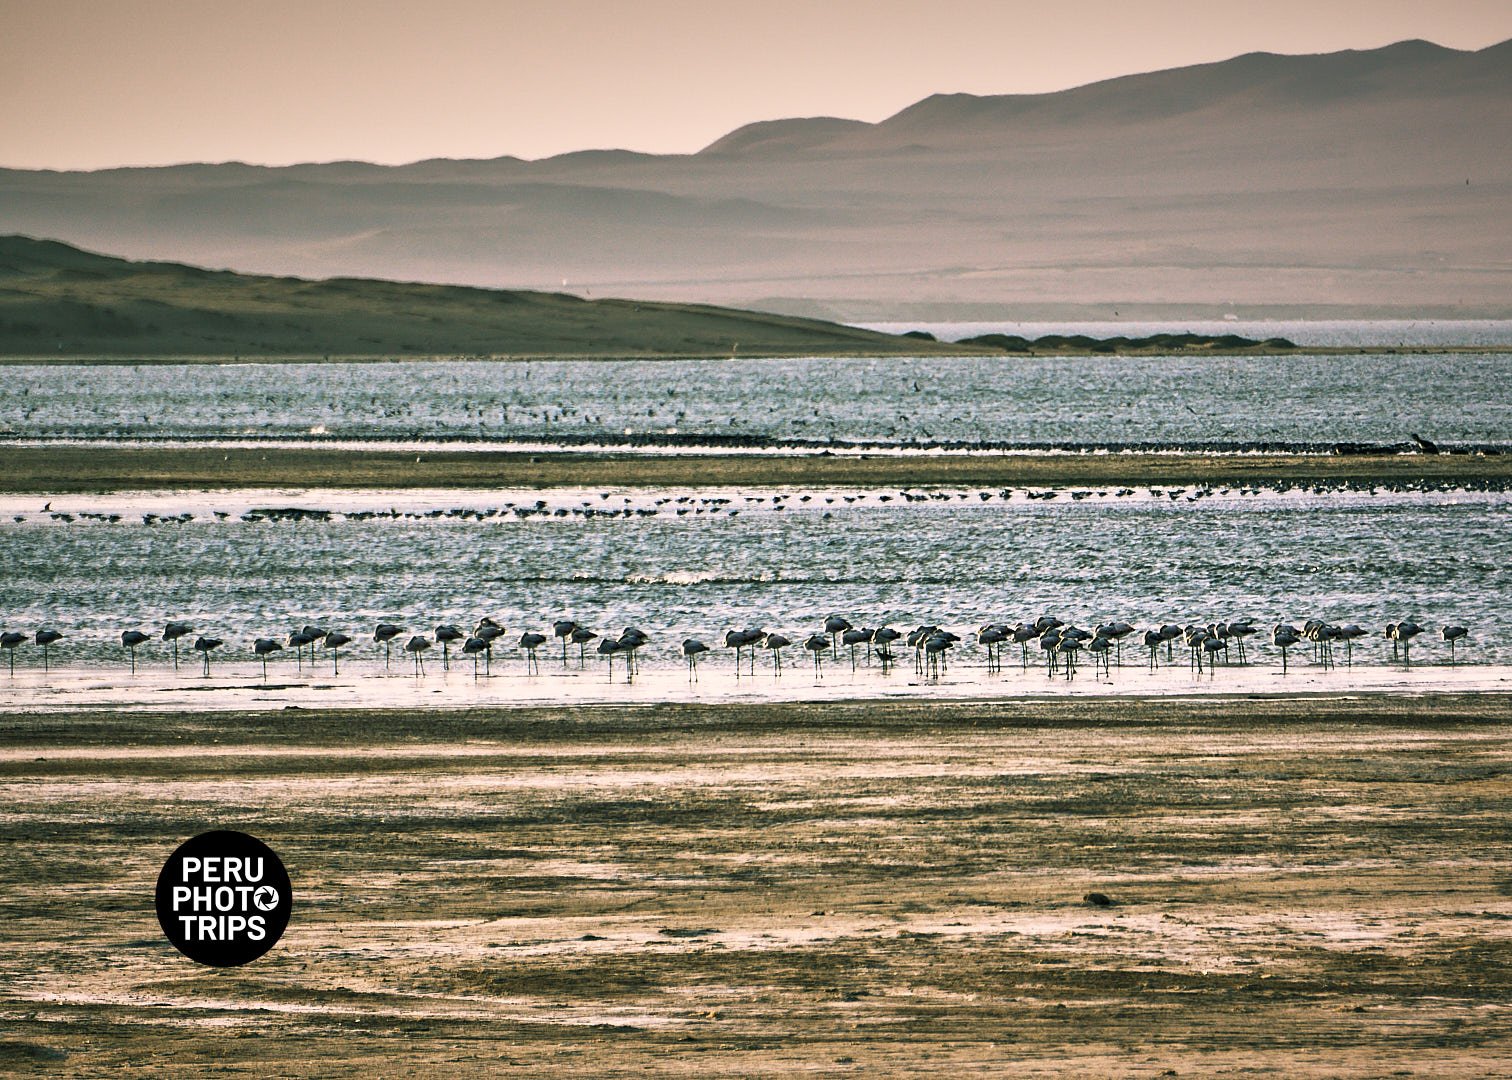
<point x="1214" y="403"/>
<point x="695" y="563"/>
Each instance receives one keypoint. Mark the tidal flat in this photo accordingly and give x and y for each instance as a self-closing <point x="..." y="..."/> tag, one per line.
<point x="64" y="468"/>
<point x="1296" y="886"/>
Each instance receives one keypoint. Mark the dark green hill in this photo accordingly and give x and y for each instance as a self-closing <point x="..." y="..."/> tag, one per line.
<point x="56" y="300"/>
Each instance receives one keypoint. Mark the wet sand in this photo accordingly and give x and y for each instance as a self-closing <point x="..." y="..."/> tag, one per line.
<point x="1301" y="886"/>
<point x="63" y="468"/>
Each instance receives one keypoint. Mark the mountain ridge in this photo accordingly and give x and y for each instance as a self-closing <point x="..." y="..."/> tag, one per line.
<point x="1328" y="184"/>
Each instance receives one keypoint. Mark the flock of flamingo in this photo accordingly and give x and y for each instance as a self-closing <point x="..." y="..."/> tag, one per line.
<point x="1057" y="642"/>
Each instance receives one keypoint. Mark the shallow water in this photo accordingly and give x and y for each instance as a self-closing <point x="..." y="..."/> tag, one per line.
<point x="695" y="563"/>
<point x="1216" y="403"/>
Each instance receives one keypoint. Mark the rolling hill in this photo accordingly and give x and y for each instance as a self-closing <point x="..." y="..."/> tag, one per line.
<point x="56" y="300"/>
<point x="1368" y="183"/>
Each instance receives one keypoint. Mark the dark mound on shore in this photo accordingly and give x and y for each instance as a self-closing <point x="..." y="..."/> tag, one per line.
<point x="1155" y="343"/>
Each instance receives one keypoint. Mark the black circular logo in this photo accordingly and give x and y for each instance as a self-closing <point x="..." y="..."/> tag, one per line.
<point x="223" y="898"/>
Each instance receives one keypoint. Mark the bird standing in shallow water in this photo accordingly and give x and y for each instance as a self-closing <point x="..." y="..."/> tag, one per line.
<point x="205" y="646"/>
<point x="172" y="632"/>
<point x="446" y="633"/>
<point x="333" y="643"/>
<point x="131" y="639"/>
<point x="1284" y="637"/>
<point x="564" y="629"/>
<point x="776" y="643"/>
<point x="385" y="633"/>
<point x="415" y="646"/>
<point x="1452" y="634"/>
<point x="818" y="645"/>
<point x="265" y="647"/>
<point x="1402" y="633"/>
<point x="8" y="641"/>
<point x="581" y="637"/>
<point x="530" y="642"/>
<point x="692" y="648"/>
<point x="44" y="639"/>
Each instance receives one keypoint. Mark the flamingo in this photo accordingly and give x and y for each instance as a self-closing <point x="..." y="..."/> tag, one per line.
<point x="333" y="643"/>
<point x="472" y="647"/>
<point x="934" y="651"/>
<point x="1100" y="647"/>
<point x="131" y="639"/>
<point x="1169" y="632"/>
<point x="530" y="642"/>
<point x="297" y="641"/>
<point x="834" y="626"/>
<point x="564" y="629"/>
<point x="817" y="644"/>
<point x="1069" y="644"/>
<point x="1213" y="645"/>
<point x="1451" y="634"/>
<point x="1239" y="630"/>
<point x="776" y="643"/>
<point x="692" y="648"/>
<point x="581" y="637"/>
<point x="1023" y="634"/>
<point x="630" y="640"/>
<point x="172" y="632"/>
<point x="742" y="639"/>
<point x="1319" y="633"/>
<point x="1049" y="641"/>
<point x="1153" y="640"/>
<point x="1194" y="636"/>
<point x="8" y="641"/>
<point x="205" y="646"/>
<point x="385" y="633"/>
<point x="857" y="636"/>
<point x="1403" y="633"/>
<point x="263" y="647"/>
<point x="415" y="646"/>
<point x="44" y="639"/>
<point x="1284" y="637"/>
<point x="607" y="648"/>
<point x="992" y="635"/>
<point x="1115" y="632"/>
<point x="1347" y="634"/>
<point x="446" y="633"/>
<point x="486" y="631"/>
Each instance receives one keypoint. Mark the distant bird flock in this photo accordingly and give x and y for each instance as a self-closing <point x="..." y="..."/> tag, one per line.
<point x="1047" y="642"/>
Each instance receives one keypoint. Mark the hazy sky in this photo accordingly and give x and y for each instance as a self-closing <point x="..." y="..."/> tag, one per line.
<point x="93" y="83"/>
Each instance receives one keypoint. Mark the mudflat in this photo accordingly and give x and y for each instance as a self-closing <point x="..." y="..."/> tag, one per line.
<point x="1296" y="886"/>
<point x="59" y="469"/>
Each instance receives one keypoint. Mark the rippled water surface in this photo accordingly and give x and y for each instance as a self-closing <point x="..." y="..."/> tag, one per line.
<point x="718" y="560"/>
<point x="1076" y="402"/>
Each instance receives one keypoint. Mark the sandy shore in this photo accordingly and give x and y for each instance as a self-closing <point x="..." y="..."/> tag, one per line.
<point x="1301" y="887"/>
<point x="58" y="469"/>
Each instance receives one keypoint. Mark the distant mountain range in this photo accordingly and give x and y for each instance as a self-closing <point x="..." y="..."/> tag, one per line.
<point x="1375" y="183"/>
<point x="56" y="300"/>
